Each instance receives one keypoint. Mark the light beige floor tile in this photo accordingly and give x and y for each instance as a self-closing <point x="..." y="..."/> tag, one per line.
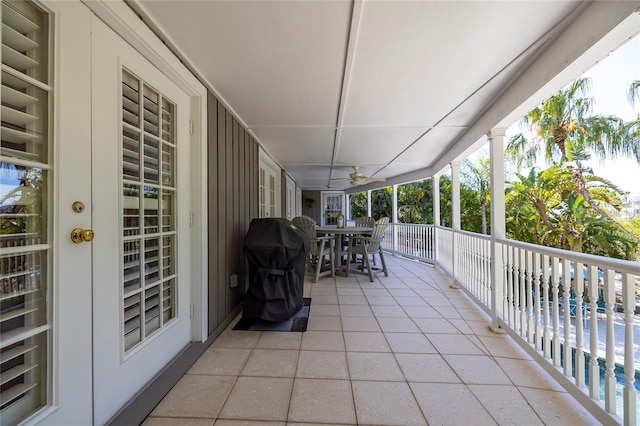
<point x="376" y="292"/>
<point x="223" y="422"/>
<point x="322" y="341"/>
<point x="461" y="325"/>
<point x="411" y="301"/>
<point x="481" y="328"/>
<point x="528" y="373"/>
<point x="325" y="323"/>
<point x="426" y="368"/>
<point x="394" y="283"/>
<point x="402" y="292"/>
<point x="350" y="291"/>
<point x="388" y="311"/>
<point x="324" y="299"/>
<point x="258" y="398"/>
<point x="324" y="310"/>
<point x="169" y="421"/>
<point x="355" y="311"/>
<point x="477" y="369"/>
<point x="428" y="293"/>
<point x="237" y="339"/>
<point x="365" y="342"/>
<point x="195" y="396"/>
<point x="450" y="404"/>
<point x="221" y="362"/>
<point x="326" y="401"/>
<point x="556" y="408"/>
<point x="382" y="301"/>
<point x="374" y="366"/>
<point x="448" y="312"/>
<point x="397" y="325"/>
<point x="440" y="302"/>
<point x="279" y="340"/>
<point x="503" y="346"/>
<point x="435" y="326"/>
<point x="271" y="363"/>
<point x="474" y="314"/>
<point x="360" y="324"/>
<point x="421" y="312"/>
<point x="409" y="343"/>
<point x="500" y="401"/>
<point x="386" y="403"/>
<point x="322" y="291"/>
<point x="453" y="344"/>
<point x="352" y="300"/>
<point x="322" y="365"/>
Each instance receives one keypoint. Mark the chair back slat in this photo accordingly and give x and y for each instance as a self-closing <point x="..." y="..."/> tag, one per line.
<point x="365" y="222"/>
<point x="377" y="235"/>
<point x="308" y="225"/>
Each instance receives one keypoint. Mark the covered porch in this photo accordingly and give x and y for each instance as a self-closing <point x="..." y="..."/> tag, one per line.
<point x="405" y="349"/>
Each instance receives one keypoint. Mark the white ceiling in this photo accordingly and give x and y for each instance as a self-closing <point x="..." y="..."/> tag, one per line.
<point x="390" y="86"/>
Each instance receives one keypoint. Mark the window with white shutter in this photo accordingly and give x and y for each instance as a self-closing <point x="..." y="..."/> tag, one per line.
<point x="25" y="191"/>
<point x="148" y="215"/>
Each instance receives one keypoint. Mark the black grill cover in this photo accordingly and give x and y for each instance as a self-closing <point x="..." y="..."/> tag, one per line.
<point x="277" y="252"/>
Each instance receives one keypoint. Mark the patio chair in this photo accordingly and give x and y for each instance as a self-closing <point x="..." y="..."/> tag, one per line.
<point x="320" y="248"/>
<point x="361" y="222"/>
<point x="366" y="247"/>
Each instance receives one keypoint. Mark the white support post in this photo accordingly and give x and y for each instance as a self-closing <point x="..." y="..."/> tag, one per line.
<point x="455" y="218"/>
<point x="498" y="226"/>
<point x="436" y="215"/>
<point x="369" y="203"/>
<point x="394" y="209"/>
<point x="347" y="207"/>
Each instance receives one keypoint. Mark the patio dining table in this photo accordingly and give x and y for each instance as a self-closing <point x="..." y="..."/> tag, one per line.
<point x="339" y="253"/>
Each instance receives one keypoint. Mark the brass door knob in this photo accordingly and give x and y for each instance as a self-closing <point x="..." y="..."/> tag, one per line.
<point x="79" y="235"/>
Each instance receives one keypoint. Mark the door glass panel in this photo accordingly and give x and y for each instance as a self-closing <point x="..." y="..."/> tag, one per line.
<point x="25" y="246"/>
<point x="148" y="215"/>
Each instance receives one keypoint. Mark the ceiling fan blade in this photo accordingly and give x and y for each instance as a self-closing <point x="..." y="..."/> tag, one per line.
<point x="373" y="179"/>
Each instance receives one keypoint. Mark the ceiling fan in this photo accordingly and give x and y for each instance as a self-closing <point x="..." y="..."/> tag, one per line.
<point x="356" y="178"/>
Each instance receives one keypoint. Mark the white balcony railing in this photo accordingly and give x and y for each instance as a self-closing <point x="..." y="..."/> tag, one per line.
<point x="574" y="313"/>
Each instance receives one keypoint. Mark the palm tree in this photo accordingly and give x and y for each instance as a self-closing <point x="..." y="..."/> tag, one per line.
<point x="478" y="179"/>
<point x="563" y="125"/>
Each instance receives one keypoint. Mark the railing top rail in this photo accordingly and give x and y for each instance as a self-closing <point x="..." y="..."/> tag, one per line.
<point x="421" y="225"/>
<point x="475" y="235"/>
<point x="589" y="259"/>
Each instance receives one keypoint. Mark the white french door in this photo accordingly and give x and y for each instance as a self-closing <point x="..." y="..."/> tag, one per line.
<point x="141" y="198"/>
<point x="97" y="140"/>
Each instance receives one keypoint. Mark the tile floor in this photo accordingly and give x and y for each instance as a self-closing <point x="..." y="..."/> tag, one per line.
<point x="403" y="350"/>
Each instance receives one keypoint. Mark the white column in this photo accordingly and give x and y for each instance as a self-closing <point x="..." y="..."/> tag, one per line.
<point x="369" y="203"/>
<point x="498" y="227"/>
<point x="347" y="207"/>
<point x="435" y="184"/>
<point x="394" y="209"/>
<point x="455" y="217"/>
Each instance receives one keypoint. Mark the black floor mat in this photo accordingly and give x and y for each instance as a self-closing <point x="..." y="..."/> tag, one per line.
<point x="298" y="322"/>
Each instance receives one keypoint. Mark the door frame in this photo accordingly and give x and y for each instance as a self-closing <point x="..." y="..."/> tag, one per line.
<point x="269" y="165"/>
<point x="128" y="25"/>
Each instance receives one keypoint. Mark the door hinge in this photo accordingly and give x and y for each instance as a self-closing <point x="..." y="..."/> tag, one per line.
<point x="190" y="218"/>
<point x="191" y="310"/>
<point x="190" y="127"/>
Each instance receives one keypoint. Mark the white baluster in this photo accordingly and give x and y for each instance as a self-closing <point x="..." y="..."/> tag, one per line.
<point x="629" y="392"/>
<point x="530" y="277"/>
<point x="555" y="280"/>
<point x="566" y="286"/>
<point x="594" y="368"/>
<point x="544" y="277"/>
<point x="579" y="362"/>
<point x="536" y="276"/>
<point x="522" y="288"/>
<point x="610" y="357"/>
